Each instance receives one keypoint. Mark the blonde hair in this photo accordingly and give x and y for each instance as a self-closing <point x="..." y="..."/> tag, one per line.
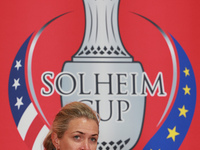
<point x="65" y="115"/>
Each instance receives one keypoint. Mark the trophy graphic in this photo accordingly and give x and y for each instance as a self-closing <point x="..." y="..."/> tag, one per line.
<point x="103" y="75"/>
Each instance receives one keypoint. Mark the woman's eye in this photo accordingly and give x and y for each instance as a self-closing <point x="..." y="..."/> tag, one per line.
<point x="76" y="137"/>
<point x="93" y="139"/>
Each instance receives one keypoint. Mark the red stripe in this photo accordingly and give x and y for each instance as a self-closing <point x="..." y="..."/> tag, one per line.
<point x="33" y="131"/>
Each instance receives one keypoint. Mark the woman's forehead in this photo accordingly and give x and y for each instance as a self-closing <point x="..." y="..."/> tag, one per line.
<point x="83" y="125"/>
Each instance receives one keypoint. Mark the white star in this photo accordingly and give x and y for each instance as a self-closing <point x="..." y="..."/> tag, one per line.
<point x="16" y="83"/>
<point x="19" y="102"/>
<point x="18" y="64"/>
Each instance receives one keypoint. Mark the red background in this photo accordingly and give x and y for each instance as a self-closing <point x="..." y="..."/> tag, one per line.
<point x="21" y="18"/>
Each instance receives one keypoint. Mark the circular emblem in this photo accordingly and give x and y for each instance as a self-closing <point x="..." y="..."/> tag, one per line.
<point x="130" y="74"/>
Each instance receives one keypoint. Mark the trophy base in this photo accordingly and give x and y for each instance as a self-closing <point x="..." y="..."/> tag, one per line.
<point x="113" y="90"/>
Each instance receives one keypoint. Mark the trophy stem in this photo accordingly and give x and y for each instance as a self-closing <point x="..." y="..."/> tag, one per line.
<point x="102" y="40"/>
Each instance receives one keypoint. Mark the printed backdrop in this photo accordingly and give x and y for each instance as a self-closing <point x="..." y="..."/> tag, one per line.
<point x="140" y="24"/>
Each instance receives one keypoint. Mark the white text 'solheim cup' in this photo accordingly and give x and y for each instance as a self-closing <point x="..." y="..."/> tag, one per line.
<point x="103" y="75"/>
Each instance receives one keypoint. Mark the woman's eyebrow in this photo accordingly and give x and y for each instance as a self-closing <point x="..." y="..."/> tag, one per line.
<point x="78" y="132"/>
<point x="96" y="134"/>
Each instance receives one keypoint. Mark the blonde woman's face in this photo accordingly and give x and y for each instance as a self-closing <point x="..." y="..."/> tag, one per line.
<point x="82" y="134"/>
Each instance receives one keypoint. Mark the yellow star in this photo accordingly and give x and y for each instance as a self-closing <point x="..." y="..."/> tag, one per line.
<point x="172" y="133"/>
<point x="183" y="111"/>
<point x="187" y="90"/>
<point x="186" y="71"/>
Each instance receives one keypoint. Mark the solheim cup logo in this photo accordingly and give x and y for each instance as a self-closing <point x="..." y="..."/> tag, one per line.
<point x="103" y="75"/>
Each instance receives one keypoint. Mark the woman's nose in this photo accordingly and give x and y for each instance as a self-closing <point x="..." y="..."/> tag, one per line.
<point x="85" y="145"/>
